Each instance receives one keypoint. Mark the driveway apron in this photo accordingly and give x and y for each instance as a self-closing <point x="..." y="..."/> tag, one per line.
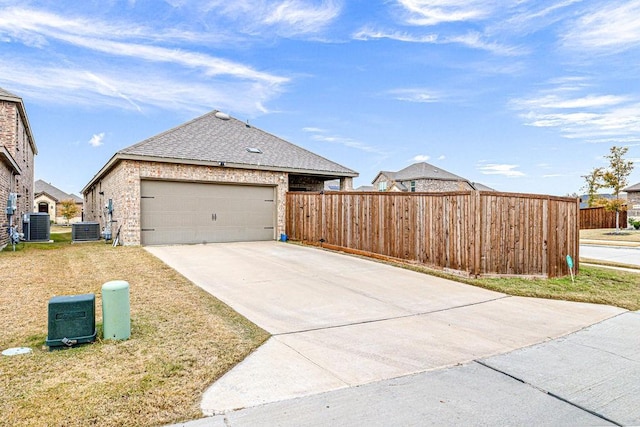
<point x="341" y="321"/>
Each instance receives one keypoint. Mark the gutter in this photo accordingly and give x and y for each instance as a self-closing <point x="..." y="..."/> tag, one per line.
<point x="220" y="164"/>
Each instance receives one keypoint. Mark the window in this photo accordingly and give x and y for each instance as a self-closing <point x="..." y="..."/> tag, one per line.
<point x="382" y="186"/>
<point x="413" y="186"/>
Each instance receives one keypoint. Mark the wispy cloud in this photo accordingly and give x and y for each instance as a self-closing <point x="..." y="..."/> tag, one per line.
<point x="368" y="33"/>
<point x="97" y="139"/>
<point x="124" y="89"/>
<point x="415" y="95"/>
<point x="607" y="28"/>
<point x="501" y="169"/>
<point x="300" y="17"/>
<point x="433" y="12"/>
<point x="322" y="135"/>
<point x="190" y="80"/>
<point x="313" y="130"/>
<point x="472" y="40"/>
<point x="103" y="38"/>
<point x="420" y="158"/>
<point x="523" y="17"/>
<point x="265" y="17"/>
<point x="579" y="115"/>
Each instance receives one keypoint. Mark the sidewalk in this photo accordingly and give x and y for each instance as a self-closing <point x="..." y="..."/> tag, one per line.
<point x="588" y="378"/>
<point x="618" y="243"/>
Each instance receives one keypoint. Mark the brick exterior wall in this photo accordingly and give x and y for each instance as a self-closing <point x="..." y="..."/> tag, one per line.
<point x="15" y="138"/>
<point x="633" y="199"/>
<point x="122" y="185"/>
<point x="305" y="183"/>
<point x="438" y="185"/>
<point x="424" y="185"/>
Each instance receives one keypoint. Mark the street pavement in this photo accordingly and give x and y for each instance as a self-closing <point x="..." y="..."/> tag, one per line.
<point x="357" y="342"/>
<point x="622" y="255"/>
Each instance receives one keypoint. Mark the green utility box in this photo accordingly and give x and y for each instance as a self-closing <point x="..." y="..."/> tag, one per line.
<point x="72" y="320"/>
<point x="116" y="320"/>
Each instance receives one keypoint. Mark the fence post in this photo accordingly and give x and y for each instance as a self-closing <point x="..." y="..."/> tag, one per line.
<point x="475" y="212"/>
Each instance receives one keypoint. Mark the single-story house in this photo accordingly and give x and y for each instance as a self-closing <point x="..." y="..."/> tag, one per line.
<point x="48" y="199"/>
<point x="212" y="179"/>
<point x="633" y="202"/>
<point x="584" y="199"/>
<point x="424" y="177"/>
<point x="17" y="152"/>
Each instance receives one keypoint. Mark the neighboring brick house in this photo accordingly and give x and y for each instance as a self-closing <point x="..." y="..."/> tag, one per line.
<point x="423" y="177"/>
<point x="17" y="152"/>
<point x="633" y="202"/>
<point x="212" y="179"/>
<point x="48" y="199"/>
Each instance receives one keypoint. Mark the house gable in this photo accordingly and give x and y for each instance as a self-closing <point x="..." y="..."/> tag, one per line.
<point x="421" y="177"/>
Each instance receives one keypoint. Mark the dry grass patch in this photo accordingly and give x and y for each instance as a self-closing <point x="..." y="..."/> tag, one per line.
<point x="182" y="340"/>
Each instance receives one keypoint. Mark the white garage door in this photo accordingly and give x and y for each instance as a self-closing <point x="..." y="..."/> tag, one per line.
<point x="185" y="212"/>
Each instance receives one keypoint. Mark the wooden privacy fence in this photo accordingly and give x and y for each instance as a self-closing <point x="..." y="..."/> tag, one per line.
<point x="474" y="233"/>
<point x="599" y="217"/>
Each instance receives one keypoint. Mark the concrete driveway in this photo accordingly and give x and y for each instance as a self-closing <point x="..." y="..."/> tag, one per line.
<point x="339" y="322"/>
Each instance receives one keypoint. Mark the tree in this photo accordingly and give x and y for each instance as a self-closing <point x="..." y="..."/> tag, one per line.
<point x="593" y="184"/>
<point x="69" y="209"/>
<point x="616" y="177"/>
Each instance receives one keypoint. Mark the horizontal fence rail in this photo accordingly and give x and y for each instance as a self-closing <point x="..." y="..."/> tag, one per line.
<point x="474" y="233"/>
<point x="599" y="217"/>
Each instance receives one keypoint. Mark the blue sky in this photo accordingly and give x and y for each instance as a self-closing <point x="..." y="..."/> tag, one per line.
<point x="522" y="95"/>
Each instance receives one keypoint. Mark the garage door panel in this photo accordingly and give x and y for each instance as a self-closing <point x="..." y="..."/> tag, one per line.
<point x="180" y="212"/>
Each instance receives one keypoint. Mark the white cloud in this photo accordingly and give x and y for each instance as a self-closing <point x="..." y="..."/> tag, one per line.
<point x="122" y="88"/>
<point x="301" y="17"/>
<point x="368" y="33"/>
<point x="441" y="157"/>
<point x="100" y="37"/>
<point x="421" y="158"/>
<point x="97" y="139"/>
<point x="472" y="40"/>
<point x="190" y="81"/>
<point x="267" y="17"/>
<point x="323" y="136"/>
<point x="501" y="169"/>
<point x="415" y="95"/>
<point x="576" y="115"/>
<point x="554" y="101"/>
<point x="433" y="12"/>
<point x="609" y="27"/>
<point x="313" y="130"/>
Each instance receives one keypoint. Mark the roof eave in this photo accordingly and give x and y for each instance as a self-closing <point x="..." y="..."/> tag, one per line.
<point x="44" y="193"/>
<point x="8" y="159"/>
<point x="121" y="156"/>
<point x="25" y="119"/>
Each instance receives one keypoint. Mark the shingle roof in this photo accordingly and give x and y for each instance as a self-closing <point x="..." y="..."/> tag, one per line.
<point x="5" y="94"/>
<point x="425" y="170"/>
<point x="41" y="186"/>
<point x="633" y="188"/>
<point x="482" y="187"/>
<point x="216" y="138"/>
